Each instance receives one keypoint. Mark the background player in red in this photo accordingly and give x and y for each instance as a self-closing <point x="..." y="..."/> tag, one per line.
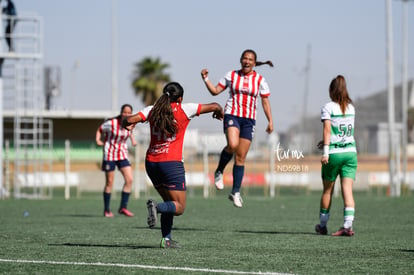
<point x="168" y="119"/>
<point x="245" y="85"/>
<point x="113" y="138"/>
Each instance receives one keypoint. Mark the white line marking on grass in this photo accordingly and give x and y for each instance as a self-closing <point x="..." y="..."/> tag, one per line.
<point x="143" y="267"/>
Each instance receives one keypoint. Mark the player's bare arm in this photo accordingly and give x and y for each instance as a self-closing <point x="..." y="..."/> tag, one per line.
<point x="214" y="90"/>
<point x="268" y="112"/>
<point x="133" y="141"/>
<point x="130" y="121"/>
<point x="326" y="139"/>
<point x="217" y="110"/>
<point x="98" y="138"/>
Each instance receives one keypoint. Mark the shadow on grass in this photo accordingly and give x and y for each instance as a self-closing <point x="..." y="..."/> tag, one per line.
<point x="239" y="231"/>
<point x="82" y="216"/>
<point x="177" y="229"/>
<point x="93" y="216"/>
<point x="190" y="229"/>
<point x="407" y="250"/>
<point x="105" y="245"/>
<point x="277" y="232"/>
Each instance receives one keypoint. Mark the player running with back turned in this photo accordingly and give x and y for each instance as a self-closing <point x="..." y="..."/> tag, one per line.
<point x="168" y="119"/>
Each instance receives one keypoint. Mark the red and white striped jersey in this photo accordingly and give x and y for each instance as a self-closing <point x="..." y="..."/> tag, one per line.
<point x="115" y="137"/>
<point x="163" y="148"/>
<point x="244" y="90"/>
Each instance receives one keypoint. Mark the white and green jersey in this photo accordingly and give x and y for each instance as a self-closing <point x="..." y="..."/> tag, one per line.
<point x="342" y="127"/>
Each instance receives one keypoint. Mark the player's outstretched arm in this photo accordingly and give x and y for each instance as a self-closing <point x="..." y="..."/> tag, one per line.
<point x="215" y="108"/>
<point x="214" y="90"/>
<point x="130" y="121"/>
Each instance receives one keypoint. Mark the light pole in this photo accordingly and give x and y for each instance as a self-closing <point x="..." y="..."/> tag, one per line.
<point x="404" y="97"/>
<point x="114" y="60"/>
<point x="391" y="108"/>
<point x="1" y="114"/>
<point x="307" y="71"/>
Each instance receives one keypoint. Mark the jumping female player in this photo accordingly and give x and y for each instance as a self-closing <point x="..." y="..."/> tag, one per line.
<point x="168" y="119"/>
<point x="339" y="155"/>
<point x="113" y="138"/>
<point x="245" y="85"/>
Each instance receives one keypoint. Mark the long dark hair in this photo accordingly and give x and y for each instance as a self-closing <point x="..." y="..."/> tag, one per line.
<point x="339" y="93"/>
<point x="162" y="116"/>
<point x="258" y="63"/>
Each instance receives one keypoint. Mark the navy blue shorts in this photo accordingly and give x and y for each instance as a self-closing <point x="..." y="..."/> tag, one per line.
<point x="109" y="165"/>
<point x="245" y="125"/>
<point x="169" y="175"/>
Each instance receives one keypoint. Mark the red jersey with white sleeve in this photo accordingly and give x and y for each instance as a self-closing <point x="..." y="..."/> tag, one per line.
<point x="115" y="137"/>
<point x="163" y="148"/>
<point x="244" y="90"/>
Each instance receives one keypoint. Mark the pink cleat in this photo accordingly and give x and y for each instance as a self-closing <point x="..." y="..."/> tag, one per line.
<point x="344" y="232"/>
<point x="108" y="214"/>
<point x="125" y="212"/>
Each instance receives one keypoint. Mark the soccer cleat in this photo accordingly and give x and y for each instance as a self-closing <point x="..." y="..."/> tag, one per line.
<point x="108" y="214"/>
<point x="236" y="199"/>
<point x="152" y="213"/>
<point x="125" y="212"/>
<point x="218" y="180"/>
<point x="322" y="230"/>
<point x="344" y="232"/>
<point x="167" y="243"/>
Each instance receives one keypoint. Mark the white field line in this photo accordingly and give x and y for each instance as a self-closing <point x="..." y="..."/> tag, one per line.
<point x="143" y="267"/>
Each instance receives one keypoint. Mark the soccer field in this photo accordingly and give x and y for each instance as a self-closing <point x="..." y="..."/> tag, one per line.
<point x="266" y="236"/>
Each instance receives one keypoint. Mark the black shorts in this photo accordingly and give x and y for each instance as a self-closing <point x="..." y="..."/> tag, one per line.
<point x="109" y="165"/>
<point x="246" y="126"/>
<point x="168" y="175"/>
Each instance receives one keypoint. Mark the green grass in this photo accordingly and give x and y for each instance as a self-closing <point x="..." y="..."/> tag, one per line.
<point x="266" y="235"/>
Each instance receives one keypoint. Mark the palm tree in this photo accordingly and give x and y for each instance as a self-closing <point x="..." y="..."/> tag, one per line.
<point x="149" y="79"/>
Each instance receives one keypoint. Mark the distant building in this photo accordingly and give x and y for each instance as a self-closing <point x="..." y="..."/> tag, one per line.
<point x="78" y="126"/>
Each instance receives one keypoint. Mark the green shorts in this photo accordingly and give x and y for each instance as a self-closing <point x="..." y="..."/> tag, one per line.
<point x="342" y="164"/>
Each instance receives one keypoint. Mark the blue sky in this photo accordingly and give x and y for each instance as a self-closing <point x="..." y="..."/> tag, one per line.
<point x="346" y="37"/>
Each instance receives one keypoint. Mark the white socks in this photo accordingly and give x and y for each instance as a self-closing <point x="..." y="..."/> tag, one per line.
<point x="349" y="213"/>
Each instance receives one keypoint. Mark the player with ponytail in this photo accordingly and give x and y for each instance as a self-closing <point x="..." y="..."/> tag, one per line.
<point x="162" y="114"/>
<point x="168" y="119"/>
<point x="339" y="155"/>
<point x="244" y="85"/>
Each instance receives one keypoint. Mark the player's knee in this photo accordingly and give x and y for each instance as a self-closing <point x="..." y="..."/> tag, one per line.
<point x="240" y="159"/>
<point x="128" y="181"/>
<point x="179" y="210"/>
<point x="232" y="146"/>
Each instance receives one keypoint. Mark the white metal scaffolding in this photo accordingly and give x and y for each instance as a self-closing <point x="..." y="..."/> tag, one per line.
<point x="21" y="90"/>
